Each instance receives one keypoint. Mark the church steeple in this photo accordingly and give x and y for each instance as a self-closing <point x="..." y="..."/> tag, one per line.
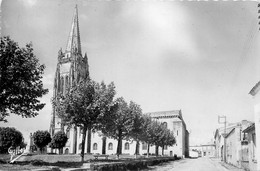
<point x="71" y="68"/>
<point x="73" y="45"/>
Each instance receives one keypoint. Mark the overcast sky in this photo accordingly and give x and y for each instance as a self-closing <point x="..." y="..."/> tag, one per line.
<point x="200" y="57"/>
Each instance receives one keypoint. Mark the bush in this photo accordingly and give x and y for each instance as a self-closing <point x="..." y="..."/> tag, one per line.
<point x="9" y="137"/>
<point x="41" y="139"/>
<point x="59" y="140"/>
<point x="38" y="163"/>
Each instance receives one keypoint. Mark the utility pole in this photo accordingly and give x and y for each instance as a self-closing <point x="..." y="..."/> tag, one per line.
<point x="223" y="119"/>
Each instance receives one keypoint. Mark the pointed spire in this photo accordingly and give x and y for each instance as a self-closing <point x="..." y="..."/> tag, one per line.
<point x="74" y="36"/>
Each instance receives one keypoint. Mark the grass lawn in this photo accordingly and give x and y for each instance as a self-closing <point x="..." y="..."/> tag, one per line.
<point x="32" y="162"/>
<point x="11" y="167"/>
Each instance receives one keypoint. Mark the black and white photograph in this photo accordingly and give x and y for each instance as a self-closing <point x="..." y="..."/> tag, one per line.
<point x="117" y="85"/>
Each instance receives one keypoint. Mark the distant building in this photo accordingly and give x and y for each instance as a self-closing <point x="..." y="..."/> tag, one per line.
<point x="72" y="66"/>
<point x="219" y="143"/>
<point x="174" y="121"/>
<point x="204" y="150"/>
<point x="236" y="144"/>
<point x="252" y="150"/>
<point x="220" y="135"/>
<point x="256" y="95"/>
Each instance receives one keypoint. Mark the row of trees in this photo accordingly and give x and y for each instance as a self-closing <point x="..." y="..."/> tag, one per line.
<point x="91" y="106"/>
<point x="43" y="138"/>
<point x="10" y="137"/>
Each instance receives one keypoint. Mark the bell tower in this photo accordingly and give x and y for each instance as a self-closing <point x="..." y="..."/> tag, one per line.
<point x="71" y="68"/>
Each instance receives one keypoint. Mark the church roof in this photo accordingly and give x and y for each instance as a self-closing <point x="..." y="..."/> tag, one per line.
<point x="166" y="114"/>
<point x="74" y="36"/>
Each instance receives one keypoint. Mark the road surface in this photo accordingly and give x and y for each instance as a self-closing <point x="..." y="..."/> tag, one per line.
<point x="199" y="164"/>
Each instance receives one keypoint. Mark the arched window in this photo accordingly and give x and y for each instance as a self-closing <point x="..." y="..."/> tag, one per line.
<point x="165" y="124"/>
<point x="67" y="151"/>
<point x="95" y="146"/>
<point x="126" y="146"/>
<point x="144" y="146"/>
<point x="110" y="146"/>
<point x="80" y="146"/>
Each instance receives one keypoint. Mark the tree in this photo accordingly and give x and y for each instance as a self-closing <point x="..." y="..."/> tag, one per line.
<point x="85" y="104"/>
<point x="20" y="78"/>
<point x="158" y="131"/>
<point x="119" y="123"/>
<point x="41" y="139"/>
<point x="135" y="133"/>
<point x="147" y="133"/>
<point x="167" y="139"/>
<point x="9" y="137"/>
<point x="59" y="140"/>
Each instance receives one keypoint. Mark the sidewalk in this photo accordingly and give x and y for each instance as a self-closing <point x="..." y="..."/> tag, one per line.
<point x="225" y="166"/>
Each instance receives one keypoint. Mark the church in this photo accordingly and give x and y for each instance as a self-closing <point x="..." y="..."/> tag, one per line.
<point x="72" y="66"/>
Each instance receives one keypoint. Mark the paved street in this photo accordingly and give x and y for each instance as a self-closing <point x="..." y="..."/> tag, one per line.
<point x="200" y="164"/>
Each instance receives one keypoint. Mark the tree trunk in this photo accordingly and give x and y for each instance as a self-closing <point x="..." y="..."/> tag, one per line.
<point x="137" y="148"/>
<point x="83" y="144"/>
<point x="89" y="141"/>
<point x="75" y="140"/>
<point x="156" y="150"/>
<point x="119" y="144"/>
<point x="162" y="150"/>
<point x="104" y="140"/>
<point x="148" y="149"/>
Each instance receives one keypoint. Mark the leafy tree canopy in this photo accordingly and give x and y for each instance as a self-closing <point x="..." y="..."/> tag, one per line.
<point x="85" y="105"/>
<point x="136" y="112"/>
<point x="41" y="139"/>
<point x="59" y="140"/>
<point x="120" y="122"/>
<point x="9" y="137"/>
<point x="147" y="131"/>
<point x="20" y="78"/>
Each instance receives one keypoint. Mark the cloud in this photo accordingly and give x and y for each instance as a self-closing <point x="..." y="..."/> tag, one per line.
<point x="163" y="26"/>
<point x="29" y="3"/>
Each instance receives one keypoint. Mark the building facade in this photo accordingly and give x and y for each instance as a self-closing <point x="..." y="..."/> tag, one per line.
<point x="236" y="144"/>
<point x="219" y="136"/>
<point x="171" y="119"/>
<point x="72" y="67"/>
<point x="252" y="150"/>
<point x="204" y="150"/>
<point x="256" y="95"/>
<point x="233" y="147"/>
<point x="174" y="121"/>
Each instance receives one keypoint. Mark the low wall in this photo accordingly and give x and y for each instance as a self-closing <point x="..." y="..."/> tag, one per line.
<point x="129" y="165"/>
